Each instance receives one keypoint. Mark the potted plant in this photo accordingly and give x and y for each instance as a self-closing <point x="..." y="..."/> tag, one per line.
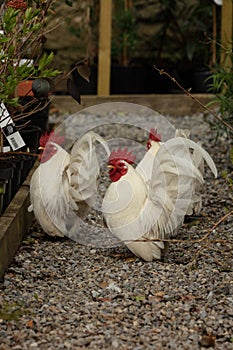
<point x="182" y="45"/>
<point x="22" y="56"/>
<point x="23" y="62"/>
<point x="128" y="75"/>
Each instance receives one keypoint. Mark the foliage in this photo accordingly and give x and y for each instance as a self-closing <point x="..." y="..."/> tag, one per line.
<point x="222" y="87"/>
<point x="124" y="33"/>
<point x="21" y="40"/>
<point x="185" y="28"/>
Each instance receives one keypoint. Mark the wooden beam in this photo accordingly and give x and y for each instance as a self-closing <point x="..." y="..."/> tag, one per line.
<point x="104" y="56"/>
<point x="173" y="104"/>
<point x="226" y="30"/>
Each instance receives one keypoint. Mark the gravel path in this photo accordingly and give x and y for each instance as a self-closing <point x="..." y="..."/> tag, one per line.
<point x="58" y="294"/>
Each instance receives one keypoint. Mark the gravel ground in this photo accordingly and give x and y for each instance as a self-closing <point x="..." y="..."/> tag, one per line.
<point x="58" y="294"/>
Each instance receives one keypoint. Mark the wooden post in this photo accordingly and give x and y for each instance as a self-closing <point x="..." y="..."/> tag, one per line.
<point x="104" y="56"/>
<point x="226" y="31"/>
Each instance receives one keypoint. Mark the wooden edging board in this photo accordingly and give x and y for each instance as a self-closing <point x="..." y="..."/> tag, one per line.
<point x="14" y="223"/>
<point x="166" y="104"/>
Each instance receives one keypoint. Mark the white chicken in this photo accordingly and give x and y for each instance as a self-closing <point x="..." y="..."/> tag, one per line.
<point x="64" y="185"/>
<point x="145" y="167"/>
<point x="150" y="202"/>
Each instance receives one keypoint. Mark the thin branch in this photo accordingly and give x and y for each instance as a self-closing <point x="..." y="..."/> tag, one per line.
<point x="216" y="225"/>
<point x="185" y="241"/>
<point x="161" y="71"/>
<point x="13" y="153"/>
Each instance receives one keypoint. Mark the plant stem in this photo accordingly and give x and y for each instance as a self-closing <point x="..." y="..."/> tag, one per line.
<point x="214" y="55"/>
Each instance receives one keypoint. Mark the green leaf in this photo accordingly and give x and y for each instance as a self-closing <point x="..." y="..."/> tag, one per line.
<point x="139" y="298"/>
<point x="4" y="39"/>
<point x="9" y="19"/>
<point x="45" y="61"/>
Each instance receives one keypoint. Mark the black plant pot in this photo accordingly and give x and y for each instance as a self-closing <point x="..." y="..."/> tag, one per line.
<point x="19" y="163"/>
<point x="7" y="170"/>
<point x="158" y="83"/>
<point x="14" y="169"/>
<point x="26" y="161"/>
<point x="29" y="161"/>
<point x="31" y="136"/>
<point x="3" y="184"/>
<point x="129" y="80"/>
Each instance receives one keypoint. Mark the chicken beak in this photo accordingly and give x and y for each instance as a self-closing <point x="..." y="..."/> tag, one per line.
<point x="111" y="166"/>
<point x="41" y="148"/>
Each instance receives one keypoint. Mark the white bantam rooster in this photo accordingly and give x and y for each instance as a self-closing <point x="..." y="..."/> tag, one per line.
<point x="64" y="184"/>
<point x="149" y="202"/>
<point x="145" y="167"/>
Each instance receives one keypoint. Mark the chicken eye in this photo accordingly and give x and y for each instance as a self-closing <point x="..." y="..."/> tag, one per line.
<point x="121" y="165"/>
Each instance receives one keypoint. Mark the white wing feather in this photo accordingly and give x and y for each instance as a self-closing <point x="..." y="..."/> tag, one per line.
<point x="84" y="168"/>
<point x="48" y="195"/>
<point x="61" y="187"/>
<point x="170" y="190"/>
<point x="80" y="178"/>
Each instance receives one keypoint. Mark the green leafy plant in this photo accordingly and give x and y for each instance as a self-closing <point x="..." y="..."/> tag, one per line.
<point x="21" y="41"/>
<point x="183" y="32"/>
<point x="222" y="87"/>
<point x="124" y="33"/>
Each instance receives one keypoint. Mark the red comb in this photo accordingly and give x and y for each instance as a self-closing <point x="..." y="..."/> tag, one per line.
<point x="122" y="154"/>
<point x="51" y="137"/>
<point x="154" y="136"/>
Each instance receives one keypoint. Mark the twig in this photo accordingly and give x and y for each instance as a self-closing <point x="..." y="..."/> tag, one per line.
<point x="215" y="225"/>
<point x="20" y="153"/>
<point x="36" y="109"/>
<point x="215" y="248"/>
<point x="200" y="251"/>
<point x="161" y="71"/>
<point x="185" y="241"/>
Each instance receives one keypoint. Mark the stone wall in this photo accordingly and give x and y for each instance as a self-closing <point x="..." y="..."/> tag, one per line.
<point x="75" y="31"/>
<point x="68" y="33"/>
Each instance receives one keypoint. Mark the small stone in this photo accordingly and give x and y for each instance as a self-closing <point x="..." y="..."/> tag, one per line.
<point x="115" y="344"/>
<point x="67" y="344"/>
